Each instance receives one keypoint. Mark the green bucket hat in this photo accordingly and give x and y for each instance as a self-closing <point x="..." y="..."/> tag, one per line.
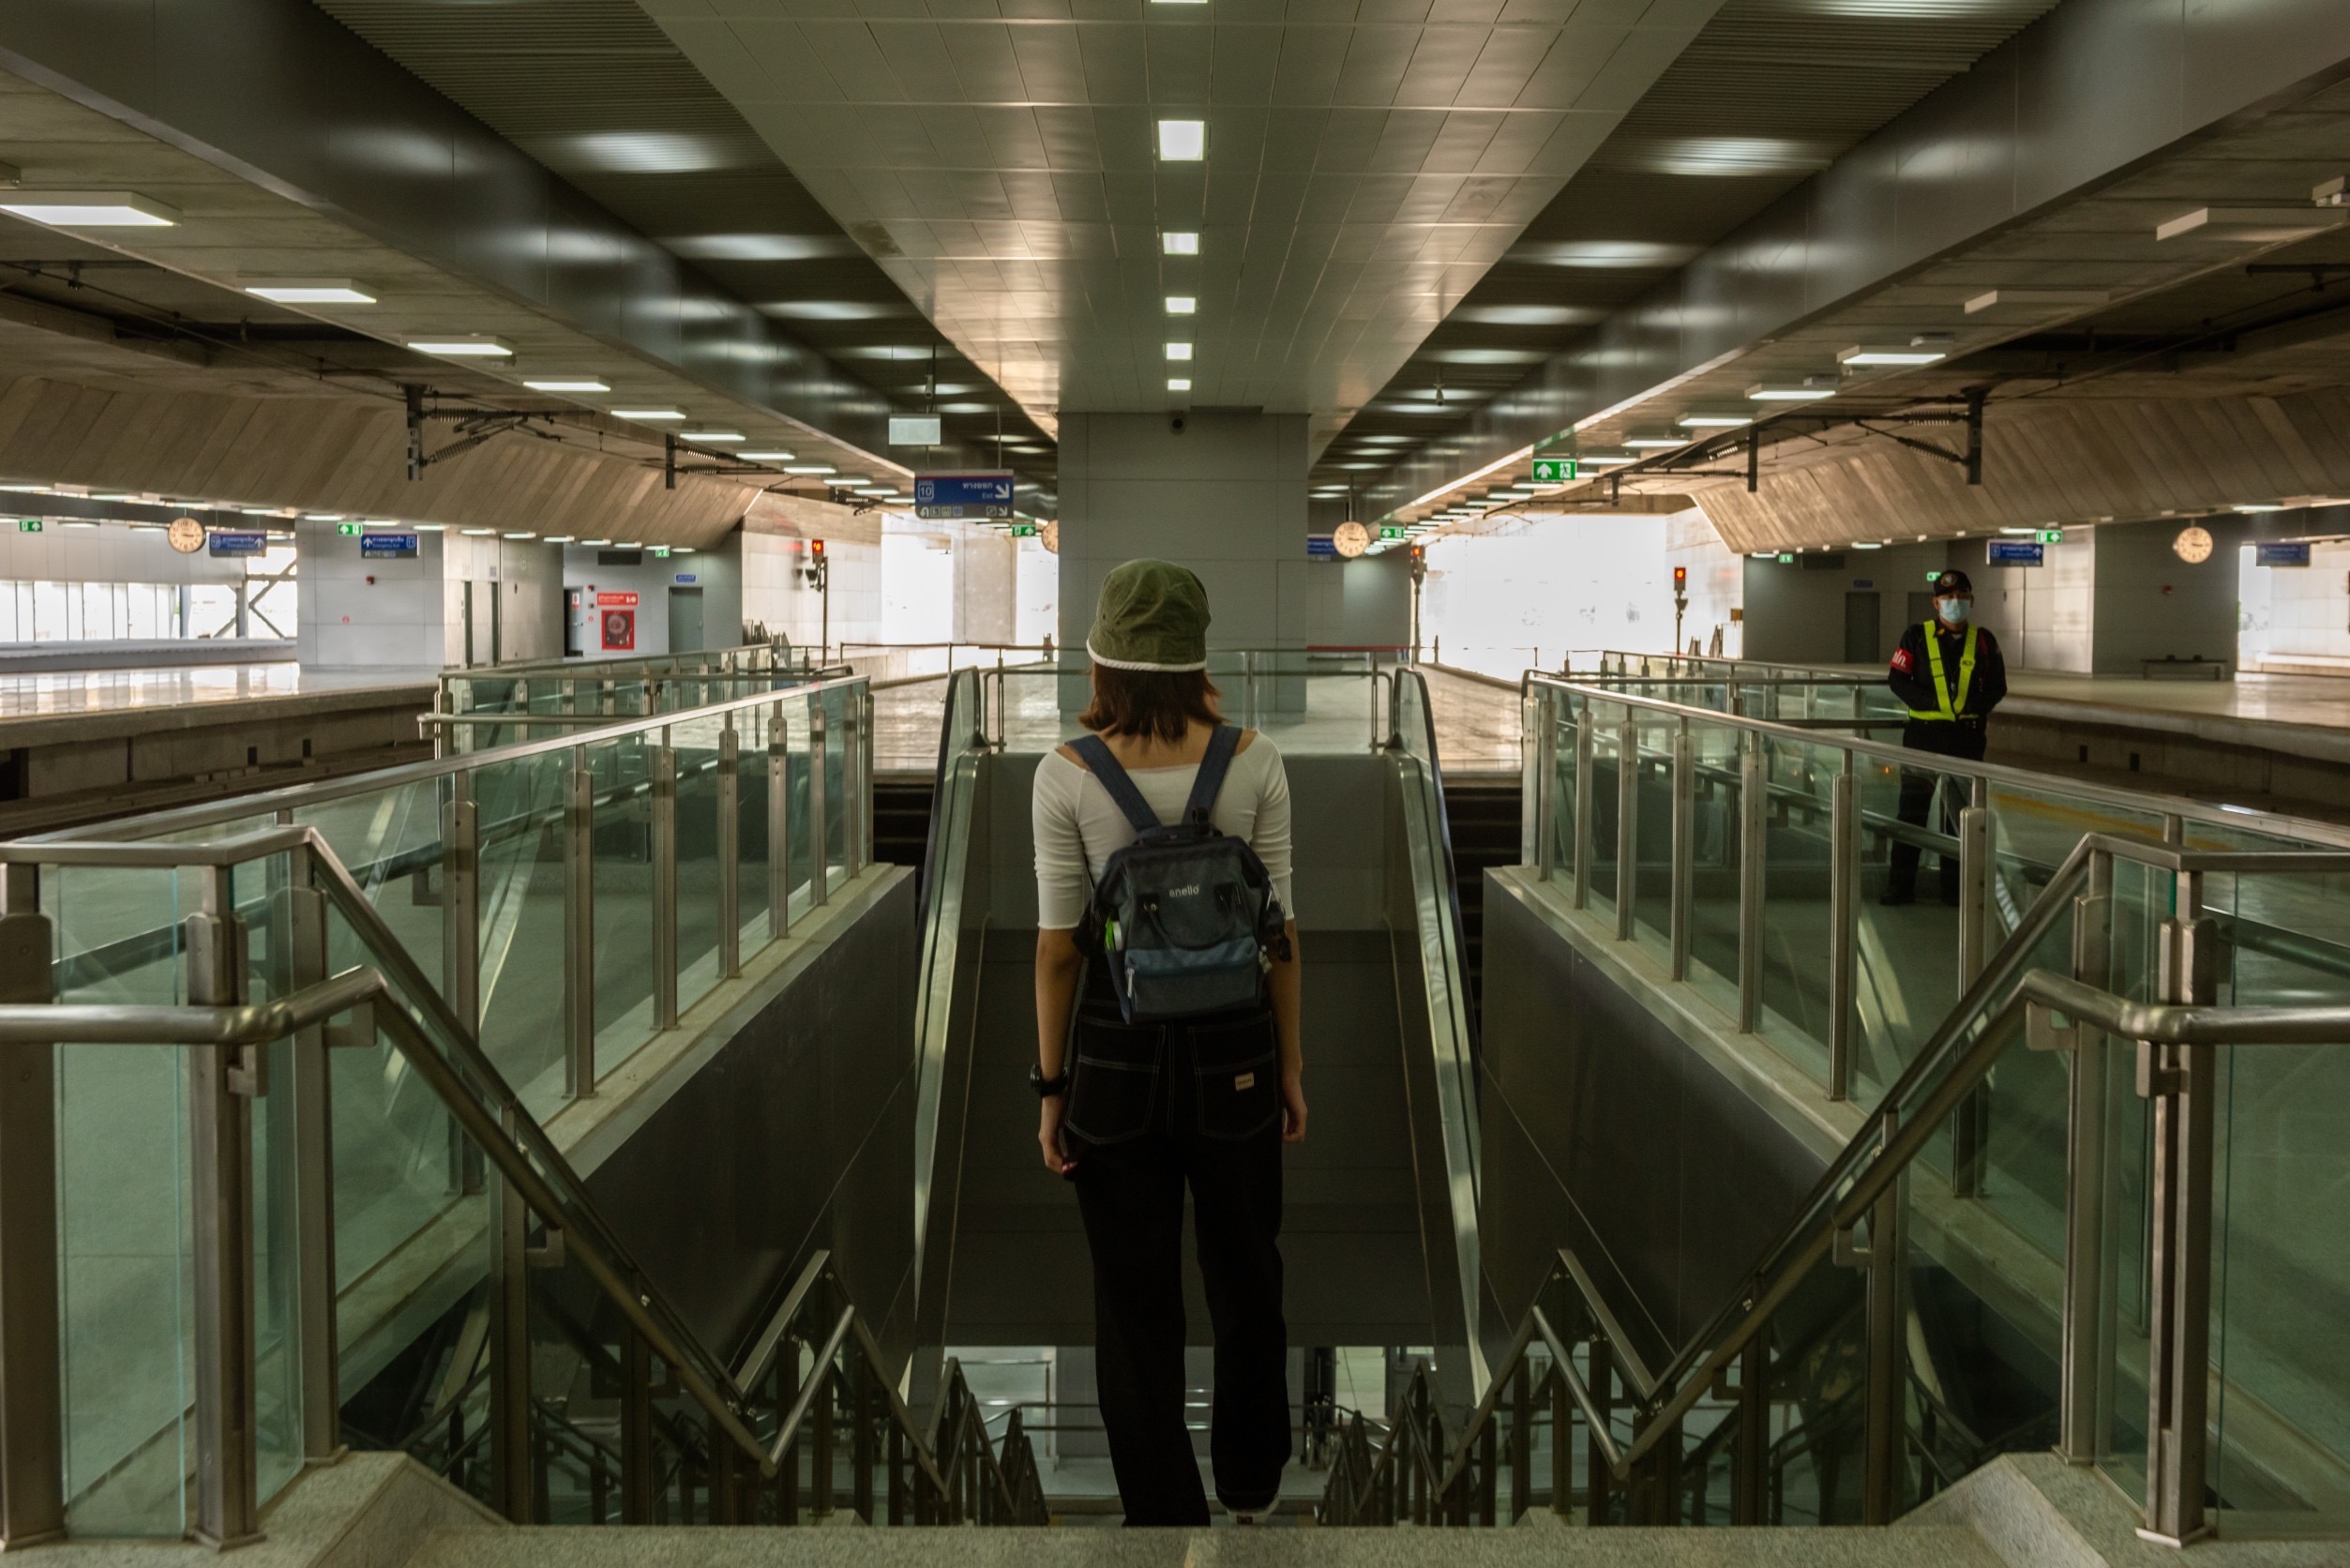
<point x="1152" y="615"/>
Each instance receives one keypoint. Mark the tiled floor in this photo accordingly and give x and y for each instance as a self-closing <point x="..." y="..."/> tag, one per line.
<point x="68" y="691"/>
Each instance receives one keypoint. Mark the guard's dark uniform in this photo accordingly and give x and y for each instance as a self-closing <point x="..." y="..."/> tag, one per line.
<point x="1951" y="679"/>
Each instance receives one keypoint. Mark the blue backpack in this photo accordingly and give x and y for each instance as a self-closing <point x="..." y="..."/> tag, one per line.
<point x="1185" y="917"/>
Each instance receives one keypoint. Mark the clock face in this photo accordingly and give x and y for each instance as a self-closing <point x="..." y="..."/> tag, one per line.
<point x="2193" y="544"/>
<point x="1351" y="540"/>
<point x="1050" y="533"/>
<point x="187" y="535"/>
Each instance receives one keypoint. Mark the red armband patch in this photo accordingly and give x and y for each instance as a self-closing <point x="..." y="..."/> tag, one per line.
<point x="1902" y="661"/>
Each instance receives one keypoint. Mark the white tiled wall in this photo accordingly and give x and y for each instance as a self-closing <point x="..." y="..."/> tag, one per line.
<point x="2296" y="614"/>
<point x="393" y="623"/>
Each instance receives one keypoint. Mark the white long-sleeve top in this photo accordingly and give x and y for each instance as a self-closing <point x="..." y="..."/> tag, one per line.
<point x="1078" y="827"/>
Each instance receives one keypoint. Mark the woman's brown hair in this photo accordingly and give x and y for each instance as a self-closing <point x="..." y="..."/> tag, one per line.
<point x="1161" y="704"/>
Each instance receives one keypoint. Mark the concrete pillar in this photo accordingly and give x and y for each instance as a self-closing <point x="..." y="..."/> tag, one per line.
<point x="1222" y="494"/>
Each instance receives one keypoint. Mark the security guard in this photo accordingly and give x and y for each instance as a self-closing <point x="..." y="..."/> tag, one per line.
<point x="1951" y="674"/>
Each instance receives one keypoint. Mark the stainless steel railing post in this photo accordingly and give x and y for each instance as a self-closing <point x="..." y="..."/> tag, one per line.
<point x="1753" y="824"/>
<point x="31" y="1408"/>
<point x="730" y="852"/>
<point x="223" y="1081"/>
<point x="1582" y="807"/>
<point x="579" y="928"/>
<point x="1684" y="846"/>
<point x="2180" y="1083"/>
<point x="305" y="1121"/>
<point x="1538" y="752"/>
<point x="862" y="698"/>
<point x="779" y="822"/>
<point x="460" y="945"/>
<point x="851" y="789"/>
<point x="2086" y="1399"/>
<point x="513" y="1491"/>
<point x="819" y="845"/>
<point x="1844" y="888"/>
<point x="1970" y="1123"/>
<point x="661" y="762"/>
<point x="1627" y="821"/>
<point x="1885" y="1401"/>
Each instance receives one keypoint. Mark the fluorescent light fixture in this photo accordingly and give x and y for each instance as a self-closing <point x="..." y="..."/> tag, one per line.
<point x="1866" y="544"/>
<point x="681" y="550"/>
<point x="1788" y="392"/>
<point x="2255" y="506"/>
<point x="1179" y="351"/>
<point x="477" y="533"/>
<point x="248" y="511"/>
<point x="1182" y="140"/>
<point x="560" y="538"/>
<point x="811" y="468"/>
<point x="2039" y="300"/>
<point x="713" y="436"/>
<point x="1891" y="354"/>
<point x="1606" y="460"/>
<point x="1180" y="242"/>
<point x="575" y="384"/>
<point x="596" y="541"/>
<point x="648" y="413"/>
<point x="2250" y="225"/>
<point x="89" y="209"/>
<point x="1182" y="305"/>
<point x="429" y="527"/>
<point x="522" y="533"/>
<point x="1179" y="384"/>
<point x="476" y="345"/>
<point x="74" y="524"/>
<point x="1655" y="440"/>
<point x="1714" y="419"/>
<point x="2008" y="529"/>
<point x="322" y="517"/>
<point x="766" y="457"/>
<point x="312" y="291"/>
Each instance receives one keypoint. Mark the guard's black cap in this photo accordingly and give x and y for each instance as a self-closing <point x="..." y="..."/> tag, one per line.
<point x="1952" y="582"/>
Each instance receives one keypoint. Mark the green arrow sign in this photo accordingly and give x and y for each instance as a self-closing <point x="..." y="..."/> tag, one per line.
<point x="28" y="526"/>
<point x="1392" y="531"/>
<point x="1024" y="531"/>
<point x="347" y="530"/>
<point x="1554" y="470"/>
<point x="2050" y="537"/>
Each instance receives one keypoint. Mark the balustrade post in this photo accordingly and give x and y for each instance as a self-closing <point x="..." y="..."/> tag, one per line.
<point x="223" y="1083"/>
<point x="730" y="852"/>
<point x="32" y="1421"/>
<point x="1521" y="1441"/>
<point x="1750" y="1453"/>
<point x="579" y="928"/>
<point x="512" y="1492"/>
<point x="1598" y="1479"/>
<point x="1538" y="796"/>
<point x="2085" y="1401"/>
<point x="1753" y="826"/>
<point x="820" y="848"/>
<point x="1885" y="1426"/>
<point x="1627" y="821"/>
<point x="460" y="946"/>
<point x="637" y="1479"/>
<point x="1582" y="807"/>
<point x="1843" y="889"/>
<point x="779" y="823"/>
<point x="1684" y="846"/>
<point x="2179" y="1080"/>
<point x="661" y="761"/>
<point x="306" y="1120"/>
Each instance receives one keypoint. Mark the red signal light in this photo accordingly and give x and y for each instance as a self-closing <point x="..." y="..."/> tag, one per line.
<point x="1680" y="576"/>
<point x="816" y="547"/>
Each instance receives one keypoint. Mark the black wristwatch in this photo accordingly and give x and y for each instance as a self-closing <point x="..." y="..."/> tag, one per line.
<point x="1046" y="1087"/>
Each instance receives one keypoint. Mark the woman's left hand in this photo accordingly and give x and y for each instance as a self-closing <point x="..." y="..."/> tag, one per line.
<point x="1049" y="1135"/>
<point x="1293" y="1108"/>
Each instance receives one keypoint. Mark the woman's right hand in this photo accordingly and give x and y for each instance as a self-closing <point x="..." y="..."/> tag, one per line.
<point x="1048" y="1115"/>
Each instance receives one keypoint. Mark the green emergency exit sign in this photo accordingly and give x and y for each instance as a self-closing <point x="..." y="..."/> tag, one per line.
<point x="348" y="530"/>
<point x="2049" y="536"/>
<point x="1024" y="531"/>
<point x="1392" y="531"/>
<point x="1554" y="470"/>
<point x="28" y="526"/>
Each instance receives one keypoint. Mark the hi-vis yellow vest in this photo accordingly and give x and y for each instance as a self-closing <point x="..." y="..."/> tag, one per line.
<point x="1952" y="703"/>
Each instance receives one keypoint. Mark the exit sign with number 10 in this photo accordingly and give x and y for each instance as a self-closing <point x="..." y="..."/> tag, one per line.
<point x="1554" y="470"/>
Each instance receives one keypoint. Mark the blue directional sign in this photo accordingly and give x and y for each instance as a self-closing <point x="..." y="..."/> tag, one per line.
<point x="387" y="547"/>
<point x="953" y="497"/>
<point x="2281" y="552"/>
<point x="223" y="541"/>
<point x="2015" y="553"/>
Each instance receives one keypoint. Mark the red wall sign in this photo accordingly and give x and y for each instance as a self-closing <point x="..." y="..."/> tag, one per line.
<point x="616" y="600"/>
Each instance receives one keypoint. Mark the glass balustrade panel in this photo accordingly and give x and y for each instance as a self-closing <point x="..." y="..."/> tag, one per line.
<point x="695" y="745"/>
<point x="1906" y="942"/>
<point x="519" y="813"/>
<point x="1716" y="832"/>
<point x="1650" y="877"/>
<point x="1606" y="729"/>
<point x="752" y="725"/>
<point x="392" y="842"/>
<point x="622" y="855"/>
<point x="1796" y="930"/>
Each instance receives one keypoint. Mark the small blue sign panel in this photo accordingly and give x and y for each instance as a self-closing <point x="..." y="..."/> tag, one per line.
<point x="1864" y="583"/>
<point x="222" y="541"/>
<point x="2016" y="552"/>
<point x="387" y="547"/>
<point x="951" y="497"/>
<point x="2282" y="552"/>
<point x="685" y="577"/>
<point x="1321" y="546"/>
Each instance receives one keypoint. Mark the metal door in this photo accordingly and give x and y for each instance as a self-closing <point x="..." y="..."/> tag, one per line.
<point x="1861" y="629"/>
<point x="685" y="620"/>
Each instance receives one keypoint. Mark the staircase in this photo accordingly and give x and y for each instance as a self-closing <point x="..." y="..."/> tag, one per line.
<point x="1483" y="812"/>
<point x="902" y="818"/>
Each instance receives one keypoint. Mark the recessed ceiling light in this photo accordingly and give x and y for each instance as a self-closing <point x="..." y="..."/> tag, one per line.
<point x="2251" y="225"/>
<point x="1179" y="384"/>
<point x="89" y="209"/>
<point x="715" y="436"/>
<point x="1658" y="439"/>
<point x="577" y="384"/>
<point x="811" y="468"/>
<point x="1788" y="392"/>
<point x="1180" y="242"/>
<point x="312" y="291"/>
<point x="766" y="457"/>
<point x="681" y="550"/>
<point x="1866" y="544"/>
<point x="2033" y="298"/>
<point x="477" y="533"/>
<point x="464" y="346"/>
<point x="429" y="527"/>
<point x="560" y="538"/>
<point x="2255" y="506"/>
<point x="1182" y="140"/>
<point x="648" y="413"/>
<point x="1179" y="351"/>
<point x="522" y="533"/>
<point x="1891" y="354"/>
<point x="1714" y="419"/>
<point x="596" y="541"/>
<point x="322" y="517"/>
<point x="1182" y="305"/>
<point x="1605" y="459"/>
<point x="74" y="524"/>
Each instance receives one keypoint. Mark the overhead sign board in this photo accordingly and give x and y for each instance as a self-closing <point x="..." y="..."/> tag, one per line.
<point x="387" y="546"/>
<point x="615" y="600"/>
<point x="2281" y="552"/>
<point x="913" y="429"/>
<point x="956" y="497"/>
<point x="223" y="541"/>
<point x="2015" y="553"/>
<point x="1321" y="546"/>
<point x="1554" y="470"/>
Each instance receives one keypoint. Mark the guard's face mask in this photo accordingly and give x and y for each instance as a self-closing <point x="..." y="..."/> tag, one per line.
<point x="1953" y="611"/>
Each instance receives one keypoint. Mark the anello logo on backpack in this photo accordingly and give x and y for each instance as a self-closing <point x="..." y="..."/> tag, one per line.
<point x="1191" y="891"/>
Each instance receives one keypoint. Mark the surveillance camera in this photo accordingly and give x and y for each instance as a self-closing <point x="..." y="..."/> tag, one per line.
<point x="1176" y="424"/>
